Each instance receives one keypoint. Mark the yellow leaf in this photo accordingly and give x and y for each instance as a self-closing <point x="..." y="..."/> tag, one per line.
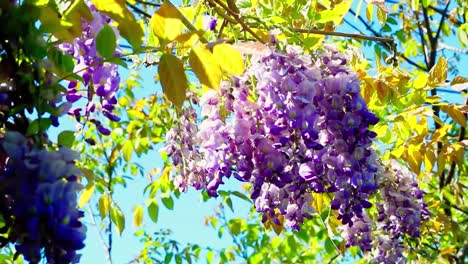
<point x="126" y="22"/>
<point x="459" y="83"/>
<point x="52" y="23"/>
<point x="103" y="205"/>
<point x="230" y="59"/>
<point x="438" y="73"/>
<point x="86" y="195"/>
<point x="455" y="113"/>
<point x="166" y="22"/>
<point x="186" y="41"/>
<point x="137" y="215"/>
<point x="420" y="81"/>
<point x="429" y="159"/>
<point x="278" y="228"/>
<point x="173" y="79"/>
<point x="318" y="202"/>
<point x="205" y="67"/>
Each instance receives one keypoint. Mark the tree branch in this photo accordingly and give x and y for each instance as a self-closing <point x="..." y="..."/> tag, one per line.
<point x="442" y="19"/>
<point x="237" y="18"/>
<point x="385" y="40"/>
<point x="138" y="10"/>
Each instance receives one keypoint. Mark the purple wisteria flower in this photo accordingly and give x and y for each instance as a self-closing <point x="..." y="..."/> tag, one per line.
<point x="100" y="79"/>
<point x="209" y="23"/>
<point x="39" y="201"/>
<point x="291" y="125"/>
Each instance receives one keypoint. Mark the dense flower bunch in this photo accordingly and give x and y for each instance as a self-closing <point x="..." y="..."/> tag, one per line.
<point x="101" y="79"/>
<point x="38" y="201"/>
<point x="401" y="212"/>
<point x="291" y="125"/>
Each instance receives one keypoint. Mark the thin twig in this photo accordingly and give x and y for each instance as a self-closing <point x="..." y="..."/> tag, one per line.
<point x="421" y="37"/>
<point x="98" y="231"/>
<point x="237" y="18"/>
<point x="148" y="3"/>
<point x="342" y="34"/>
<point x="442" y="19"/>
<point x="138" y="10"/>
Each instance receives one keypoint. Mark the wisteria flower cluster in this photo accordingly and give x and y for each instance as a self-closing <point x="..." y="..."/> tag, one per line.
<point x="291" y="125"/>
<point x="401" y="213"/>
<point x="38" y="201"/>
<point x="101" y="79"/>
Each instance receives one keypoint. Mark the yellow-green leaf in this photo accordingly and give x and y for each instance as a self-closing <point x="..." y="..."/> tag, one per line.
<point x="86" y="194"/>
<point x="126" y="22"/>
<point x="438" y="73"/>
<point x="153" y="210"/>
<point x="118" y="218"/>
<point x="229" y="58"/>
<point x="103" y="206"/>
<point x="205" y="67"/>
<point x="173" y="79"/>
<point x="127" y="150"/>
<point x="166" y="22"/>
<point x="137" y="215"/>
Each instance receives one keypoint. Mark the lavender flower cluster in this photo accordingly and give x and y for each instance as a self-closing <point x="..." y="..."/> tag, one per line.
<point x="101" y="79"/>
<point x="291" y="125"/>
<point x="38" y="201"/>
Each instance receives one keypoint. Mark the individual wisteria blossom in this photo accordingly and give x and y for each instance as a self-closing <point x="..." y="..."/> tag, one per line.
<point x="38" y="201"/>
<point x="400" y="212"/>
<point x="292" y="124"/>
<point x="209" y="23"/>
<point x="100" y="79"/>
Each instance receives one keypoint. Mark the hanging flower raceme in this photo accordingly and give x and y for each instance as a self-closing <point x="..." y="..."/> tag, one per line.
<point x="291" y="125"/>
<point x="401" y="212"/>
<point x="38" y="194"/>
<point x="100" y="79"/>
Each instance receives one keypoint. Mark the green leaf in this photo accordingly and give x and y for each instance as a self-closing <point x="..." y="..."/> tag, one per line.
<point x="38" y="125"/>
<point x="166" y="23"/>
<point x="86" y="194"/>
<point x="118" y="218"/>
<point x="168" y="202"/>
<point x="106" y="42"/>
<point x="66" y="138"/>
<point x="103" y="205"/>
<point x="173" y="79"/>
<point x="426" y="3"/>
<point x="127" y="150"/>
<point x="205" y="67"/>
<point x="230" y="59"/>
<point x="168" y="258"/>
<point x="153" y="210"/>
<point x="126" y="22"/>
<point x="178" y="259"/>
<point x="137" y="215"/>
